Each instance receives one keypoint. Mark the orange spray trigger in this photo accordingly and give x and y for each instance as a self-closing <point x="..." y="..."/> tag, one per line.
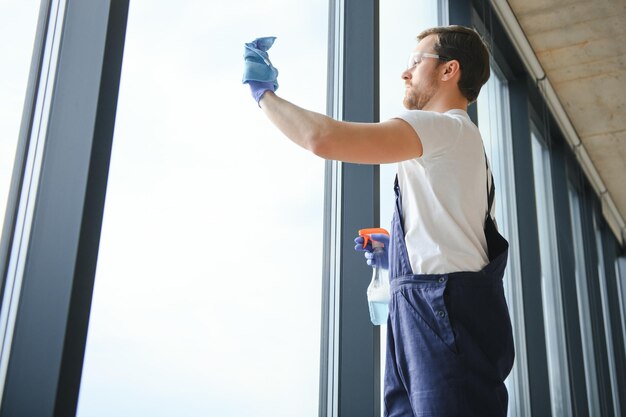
<point x="365" y="234"/>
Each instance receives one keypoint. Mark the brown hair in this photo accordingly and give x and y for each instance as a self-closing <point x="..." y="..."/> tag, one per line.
<point x="467" y="47"/>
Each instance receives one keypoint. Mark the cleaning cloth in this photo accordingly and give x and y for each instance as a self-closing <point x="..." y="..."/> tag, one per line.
<point x="257" y="63"/>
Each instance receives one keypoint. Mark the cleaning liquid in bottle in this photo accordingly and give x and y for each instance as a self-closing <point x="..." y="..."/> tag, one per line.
<point x="378" y="290"/>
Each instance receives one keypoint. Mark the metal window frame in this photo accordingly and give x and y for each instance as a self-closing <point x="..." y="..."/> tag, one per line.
<point x="616" y="268"/>
<point x="554" y="306"/>
<point x="584" y="313"/>
<point x="58" y="247"/>
<point x="19" y="165"/>
<point x="610" y="328"/>
<point x="350" y="346"/>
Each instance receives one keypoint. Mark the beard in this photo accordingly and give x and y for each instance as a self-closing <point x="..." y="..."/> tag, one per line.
<point x="418" y="96"/>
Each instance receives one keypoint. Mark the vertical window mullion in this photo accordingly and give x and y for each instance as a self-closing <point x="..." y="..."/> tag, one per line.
<point x="620" y="274"/>
<point x="551" y="283"/>
<point x="606" y="316"/>
<point x="330" y="336"/>
<point x="618" y="287"/>
<point x="351" y="378"/>
<point x="77" y="111"/>
<point x="591" y="379"/>
<point x="595" y="302"/>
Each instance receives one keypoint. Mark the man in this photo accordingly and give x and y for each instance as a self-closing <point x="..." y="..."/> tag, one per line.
<point x="449" y="344"/>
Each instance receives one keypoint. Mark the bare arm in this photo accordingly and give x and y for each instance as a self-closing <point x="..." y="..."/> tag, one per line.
<point x="365" y="143"/>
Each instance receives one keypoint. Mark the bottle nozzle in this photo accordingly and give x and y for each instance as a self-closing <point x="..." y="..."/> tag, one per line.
<point x="366" y="234"/>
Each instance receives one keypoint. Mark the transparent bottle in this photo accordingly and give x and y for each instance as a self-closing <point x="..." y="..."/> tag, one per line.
<point x="378" y="290"/>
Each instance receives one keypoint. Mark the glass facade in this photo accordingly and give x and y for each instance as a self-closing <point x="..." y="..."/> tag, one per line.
<point x="207" y="291"/>
<point x="210" y="282"/>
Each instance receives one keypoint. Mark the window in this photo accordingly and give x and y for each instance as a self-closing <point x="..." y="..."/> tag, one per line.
<point x="207" y="292"/>
<point x="620" y="275"/>
<point x="606" y="316"/>
<point x="582" y="295"/>
<point x="550" y="282"/>
<point x="18" y="19"/>
<point x="495" y="128"/>
<point x="400" y="23"/>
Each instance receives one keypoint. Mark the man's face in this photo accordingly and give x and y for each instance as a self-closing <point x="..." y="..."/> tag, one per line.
<point x="421" y="81"/>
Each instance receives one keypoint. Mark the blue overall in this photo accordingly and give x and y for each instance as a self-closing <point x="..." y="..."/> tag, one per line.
<point x="449" y="336"/>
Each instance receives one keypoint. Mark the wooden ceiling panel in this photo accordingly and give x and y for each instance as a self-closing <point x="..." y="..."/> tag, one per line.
<point x="595" y="105"/>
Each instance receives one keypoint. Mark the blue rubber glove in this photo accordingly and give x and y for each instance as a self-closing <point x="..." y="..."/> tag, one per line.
<point x="259" y="72"/>
<point x="258" y="88"/>
<point x="369" y="255"/>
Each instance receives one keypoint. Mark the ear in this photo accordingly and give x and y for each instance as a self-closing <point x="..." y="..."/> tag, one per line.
<point x="451" y="70"/>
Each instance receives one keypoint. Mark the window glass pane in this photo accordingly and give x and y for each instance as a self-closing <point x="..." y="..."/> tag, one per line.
<point x="551" y="282"/>
<point x="18" y="21"/>
<point x="606" y="316"/>
<point x="400" y="23"/>
<point x="620" y="275"/>
<point x="495" y="128"/>
<point x="582" y="295"/>
<point x="207" y="292"/>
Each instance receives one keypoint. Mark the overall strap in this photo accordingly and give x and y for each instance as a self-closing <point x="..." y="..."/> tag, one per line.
<point x="399" y="264"/>
<point x="491" y="190"/>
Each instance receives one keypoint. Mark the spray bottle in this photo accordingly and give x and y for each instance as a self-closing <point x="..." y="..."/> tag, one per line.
<point x="378" y="290"/>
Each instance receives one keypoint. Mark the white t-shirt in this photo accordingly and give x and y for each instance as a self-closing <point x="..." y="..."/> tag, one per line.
<point x="444" y="194"/>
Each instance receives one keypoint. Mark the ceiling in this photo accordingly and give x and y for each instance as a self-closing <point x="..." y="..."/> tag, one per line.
<point x="581" y="46"/>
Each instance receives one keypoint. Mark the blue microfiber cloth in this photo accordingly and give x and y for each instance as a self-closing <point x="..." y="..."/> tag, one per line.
<point x="257" y="63"/>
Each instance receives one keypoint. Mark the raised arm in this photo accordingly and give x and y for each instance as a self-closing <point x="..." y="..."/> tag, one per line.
<point x="365" y="143"/>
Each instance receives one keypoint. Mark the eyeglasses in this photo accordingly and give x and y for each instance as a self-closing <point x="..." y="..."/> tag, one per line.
<point x="416" y="57"/>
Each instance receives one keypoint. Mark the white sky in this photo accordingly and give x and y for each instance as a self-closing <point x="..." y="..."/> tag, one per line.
<point x="207" y="298"/>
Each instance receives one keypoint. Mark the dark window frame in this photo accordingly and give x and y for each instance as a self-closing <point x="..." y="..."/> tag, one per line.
<point x="48" y="339"/>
